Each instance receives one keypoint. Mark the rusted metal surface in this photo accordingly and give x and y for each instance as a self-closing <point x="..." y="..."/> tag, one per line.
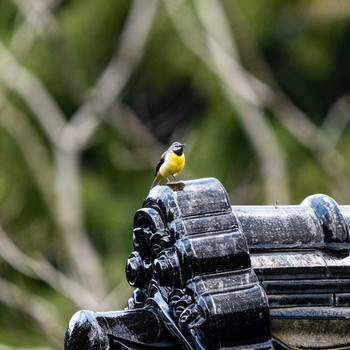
<point x="208" y="275"/>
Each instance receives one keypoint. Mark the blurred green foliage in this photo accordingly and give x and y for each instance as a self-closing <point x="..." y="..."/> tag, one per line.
<point x="297" y="48"/>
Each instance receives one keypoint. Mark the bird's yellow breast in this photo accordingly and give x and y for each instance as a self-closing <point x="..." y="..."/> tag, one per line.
<point x="173" y="164"/>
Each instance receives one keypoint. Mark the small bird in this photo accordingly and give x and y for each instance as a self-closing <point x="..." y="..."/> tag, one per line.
<point x="171" y="163"/>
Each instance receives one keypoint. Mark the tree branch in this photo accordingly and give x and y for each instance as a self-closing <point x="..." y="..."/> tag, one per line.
<point x="41" y="269"/>
<point x="38" y="309"/>
<point x="239" y="92"/>
<point x="18" y="79"/>
<point x="32" y="149"/>
<point x="117" y="73"/>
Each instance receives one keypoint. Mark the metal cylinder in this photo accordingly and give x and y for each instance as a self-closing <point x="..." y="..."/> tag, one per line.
<point x="317" y="223"/>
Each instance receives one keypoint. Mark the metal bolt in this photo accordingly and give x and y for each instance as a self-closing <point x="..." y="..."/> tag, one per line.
<point x="135" y="273"/>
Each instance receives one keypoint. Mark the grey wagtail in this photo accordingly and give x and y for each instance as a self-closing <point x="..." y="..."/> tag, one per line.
<point x="171" y="163"/>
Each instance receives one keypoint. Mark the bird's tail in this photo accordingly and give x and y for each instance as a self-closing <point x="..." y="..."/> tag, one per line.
<point x="155" y="182"/>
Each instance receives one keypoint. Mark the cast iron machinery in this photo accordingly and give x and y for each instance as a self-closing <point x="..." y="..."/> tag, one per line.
<point x="208" y="275"/>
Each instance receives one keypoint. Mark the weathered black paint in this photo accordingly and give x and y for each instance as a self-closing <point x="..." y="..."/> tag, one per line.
<point x="208" y="275"/>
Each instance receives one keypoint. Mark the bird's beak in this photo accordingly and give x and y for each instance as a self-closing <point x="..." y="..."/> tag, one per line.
<point x="183" y="145"/>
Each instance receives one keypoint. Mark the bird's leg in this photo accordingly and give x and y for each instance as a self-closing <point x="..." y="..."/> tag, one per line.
<point x="171" y="182"/>
<point x="175" y="181"/>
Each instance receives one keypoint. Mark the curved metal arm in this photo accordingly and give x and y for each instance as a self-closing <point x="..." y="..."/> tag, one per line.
<point x="130" y="329"/>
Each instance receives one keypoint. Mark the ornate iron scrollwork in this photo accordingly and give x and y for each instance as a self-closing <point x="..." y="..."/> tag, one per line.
<point x="207" y="275"/>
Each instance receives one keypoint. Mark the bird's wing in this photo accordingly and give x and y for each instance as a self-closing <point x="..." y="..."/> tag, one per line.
<point x="161" y="161"/>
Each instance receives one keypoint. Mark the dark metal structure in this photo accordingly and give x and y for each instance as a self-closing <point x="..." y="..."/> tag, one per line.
<point x="208" y="275"/>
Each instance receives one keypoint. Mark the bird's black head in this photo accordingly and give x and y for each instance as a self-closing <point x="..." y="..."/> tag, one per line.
<point x="177" y="148"/>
